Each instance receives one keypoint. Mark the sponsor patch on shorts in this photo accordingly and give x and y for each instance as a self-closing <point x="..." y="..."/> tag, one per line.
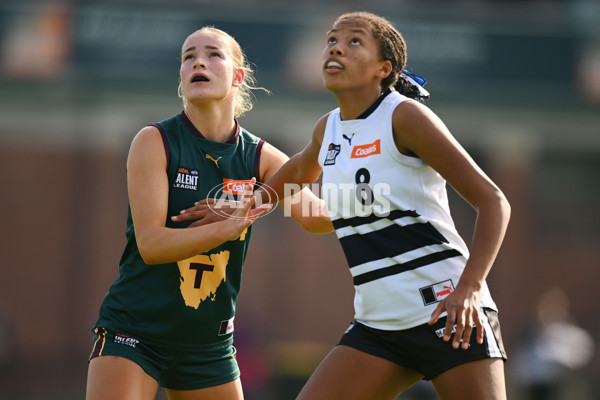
<point x="126" y="340"/>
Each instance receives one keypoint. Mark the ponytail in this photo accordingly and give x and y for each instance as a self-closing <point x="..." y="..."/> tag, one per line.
<point x="411" y="85"/>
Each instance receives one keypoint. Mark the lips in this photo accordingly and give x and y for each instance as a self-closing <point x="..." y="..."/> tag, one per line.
<point x="333" y="66"/>
<point x="199" y="78"/>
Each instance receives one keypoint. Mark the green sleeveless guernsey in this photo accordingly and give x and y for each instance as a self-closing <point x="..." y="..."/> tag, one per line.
<point x="189" y="303"/>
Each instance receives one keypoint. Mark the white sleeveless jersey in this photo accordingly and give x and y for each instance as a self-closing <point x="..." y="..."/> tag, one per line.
<point x="392" y="218"/>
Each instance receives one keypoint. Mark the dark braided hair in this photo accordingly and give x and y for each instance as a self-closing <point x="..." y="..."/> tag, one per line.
<point x="392" y="48"/>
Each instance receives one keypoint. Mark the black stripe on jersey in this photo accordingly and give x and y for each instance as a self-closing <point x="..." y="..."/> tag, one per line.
<point x="407" y="266"/>
<point x="389" y="242"/>
<point x="356" y="221"/>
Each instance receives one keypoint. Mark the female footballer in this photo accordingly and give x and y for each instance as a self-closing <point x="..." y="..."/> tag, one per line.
<point x="422" y="306"/>
<point x="167" y="320"/>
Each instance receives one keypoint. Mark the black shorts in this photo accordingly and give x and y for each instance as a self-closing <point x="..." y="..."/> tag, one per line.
<point x="422" y="348"/>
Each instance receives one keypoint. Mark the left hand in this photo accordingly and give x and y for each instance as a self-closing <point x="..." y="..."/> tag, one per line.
<point x="211" y="210"/>
<point x="463" y="308"/>
<point x="203" y="211"/>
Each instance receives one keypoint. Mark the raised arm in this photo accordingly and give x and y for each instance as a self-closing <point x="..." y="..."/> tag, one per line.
<point x="148" y="190"/>
<point x="302" y="168"/>
<point x="418" y="131"/>
<point x="307" y="209"/>
<point x="278" y="171"/>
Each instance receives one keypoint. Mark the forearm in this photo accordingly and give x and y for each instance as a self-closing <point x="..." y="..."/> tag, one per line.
<point x="490" y="228"/>
<point x="162" y="245"/>
<point x="282" y="183"/>
<point x="309" y="211"/>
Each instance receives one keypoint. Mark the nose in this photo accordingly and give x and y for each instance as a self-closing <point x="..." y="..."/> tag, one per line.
<point x="199" y="64"/>
<point x="335" y="50"/>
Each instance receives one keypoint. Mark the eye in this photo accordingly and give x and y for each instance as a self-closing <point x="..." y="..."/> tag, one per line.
<point x="215" y="54"/>
<point x="331" y="40"/>
<point x="188" y="57"/>
<point x="355" y="41"/>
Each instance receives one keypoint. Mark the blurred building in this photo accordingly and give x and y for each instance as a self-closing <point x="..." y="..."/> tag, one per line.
<point x="517" y="82"/>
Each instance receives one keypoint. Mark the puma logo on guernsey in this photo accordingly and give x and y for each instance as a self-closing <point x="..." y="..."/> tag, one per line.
<point x="349" y="139"/>
<point x="213" y="160"/>
<point x="366" y="150"/>
<point x="436" y="292"/>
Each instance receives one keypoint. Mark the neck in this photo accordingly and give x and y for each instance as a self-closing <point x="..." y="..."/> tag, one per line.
<point x="214" y="123"/>
<point x="354" y="102"/>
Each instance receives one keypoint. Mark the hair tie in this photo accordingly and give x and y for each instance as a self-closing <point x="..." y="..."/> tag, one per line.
<point x="417" y="81"/>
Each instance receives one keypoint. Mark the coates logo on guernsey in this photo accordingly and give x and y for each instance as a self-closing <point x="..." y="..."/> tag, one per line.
<point x="231" y="186"/>
<point x="366" y="150"/>
<point x="226" y="197"/>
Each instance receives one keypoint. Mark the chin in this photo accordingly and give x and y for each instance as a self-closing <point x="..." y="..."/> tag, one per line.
<point x="330" y="84"/>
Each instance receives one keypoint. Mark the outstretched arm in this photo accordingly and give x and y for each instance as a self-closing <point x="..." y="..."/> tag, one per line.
<point x="307" y="209"/>
<point x="418" y="131"/>
<point x="148" y="190"/>
<point x="281" y="174"/>
<point x="303" y="168"/>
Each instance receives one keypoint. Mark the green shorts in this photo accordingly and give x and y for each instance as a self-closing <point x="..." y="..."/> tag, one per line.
<point x="172" y="369"/>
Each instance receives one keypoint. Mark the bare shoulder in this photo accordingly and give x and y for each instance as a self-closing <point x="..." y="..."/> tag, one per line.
<point x="271" y="159"/>
<point x="147" y="133"/>
<point x="319" y="129"/>
<point x="411" y="112"/>
<point x="147" y="143"/>
<point x="417" y="126"/>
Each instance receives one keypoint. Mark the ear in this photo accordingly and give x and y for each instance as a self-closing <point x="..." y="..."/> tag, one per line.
<point x="385" y="69"/>
<point x="238" y="79"/>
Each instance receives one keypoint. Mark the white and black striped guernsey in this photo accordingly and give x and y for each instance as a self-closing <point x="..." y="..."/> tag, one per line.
<point x="392" y="217"/>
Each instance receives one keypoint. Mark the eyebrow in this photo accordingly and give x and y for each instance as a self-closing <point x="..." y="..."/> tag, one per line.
<point x="206" y="47"/>
<point x="363" y="31"/>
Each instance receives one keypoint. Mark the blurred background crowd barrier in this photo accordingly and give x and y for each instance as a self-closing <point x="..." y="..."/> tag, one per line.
<point x="517" y="82"/>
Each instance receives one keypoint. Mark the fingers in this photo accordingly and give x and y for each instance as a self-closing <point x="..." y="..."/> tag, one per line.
<point x="449" y="328"/>
<point x="199" y="210"/>
<point x="248" y="190"/>
<point x="459" y="325"/>
<point x="258" y="211"/>
<point x="205" y="207"/>
<point x="464" y="336"/>
<point x="479" y="328"/>
<point x="437" y="312"/>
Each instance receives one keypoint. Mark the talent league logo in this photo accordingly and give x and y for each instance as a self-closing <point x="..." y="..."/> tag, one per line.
<point x="126" y="340"/>
<point x="186" y="179"/>
<point x="332" y="152"/>
<point x="366" y="150"/>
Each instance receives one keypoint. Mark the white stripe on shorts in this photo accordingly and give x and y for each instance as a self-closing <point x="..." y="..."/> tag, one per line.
<point x="493" y="348"/>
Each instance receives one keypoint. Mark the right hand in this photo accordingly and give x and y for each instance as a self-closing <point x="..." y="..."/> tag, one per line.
<point x="243" y="215"/>
<point x="203" y="211"/>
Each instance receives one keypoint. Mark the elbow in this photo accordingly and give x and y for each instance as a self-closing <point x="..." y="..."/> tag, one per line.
<point x="505" y="205"/>
<point x="317" y="225"/>
<point x="149" y="256"/>
<point x="502" y="204"/>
